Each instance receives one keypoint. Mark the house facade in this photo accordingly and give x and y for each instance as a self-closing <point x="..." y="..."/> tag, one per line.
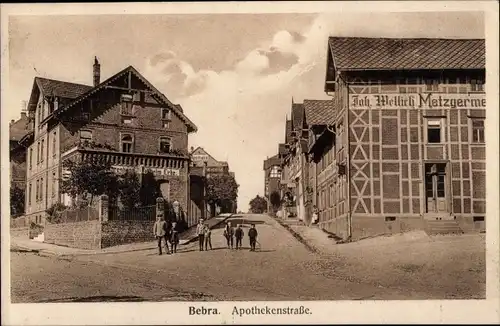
<point x="124" y="120"/>
<point x="17" y="130"/>
<point x="206" y="165"/>
<point x="272" y="176"/>
<point x="408" y="135"/>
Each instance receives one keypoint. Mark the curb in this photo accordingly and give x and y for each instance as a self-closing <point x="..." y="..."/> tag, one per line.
<point x="298" y="237"/>
<point x="191" y="240"/>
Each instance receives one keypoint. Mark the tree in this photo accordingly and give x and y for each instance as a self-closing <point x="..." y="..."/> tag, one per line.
<point x="221" y="189"/>
<point x="16" y="201"/>
<point x="129" y="188"/>
<point x="275" y="200"/>
<point x="258" y="205"/>
<point x="89" y="178"/>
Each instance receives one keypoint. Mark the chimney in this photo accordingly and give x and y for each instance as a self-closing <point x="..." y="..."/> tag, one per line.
<point x="97" y="72"/>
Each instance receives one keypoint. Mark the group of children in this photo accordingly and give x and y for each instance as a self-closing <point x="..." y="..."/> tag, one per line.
<point x="230" y="234"/>
<point x="168" y="233"/>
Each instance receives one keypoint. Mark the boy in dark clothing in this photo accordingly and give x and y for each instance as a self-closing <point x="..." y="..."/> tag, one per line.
<point x="229" y="235"/>
<point x="239" y="236"/>
<point x="174" y="237"/>
<point x="252" y="234"/>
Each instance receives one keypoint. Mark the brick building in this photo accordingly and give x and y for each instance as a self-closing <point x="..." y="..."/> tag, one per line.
<point x="124" y="120"/>
<point x="407" y="135"/>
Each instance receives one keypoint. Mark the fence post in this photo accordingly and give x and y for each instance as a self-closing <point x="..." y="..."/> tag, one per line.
<point x="104" y="208"/>
<point x="160" y="207"/>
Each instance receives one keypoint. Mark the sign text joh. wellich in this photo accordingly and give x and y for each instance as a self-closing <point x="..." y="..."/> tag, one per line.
<point x="420" y="100"/>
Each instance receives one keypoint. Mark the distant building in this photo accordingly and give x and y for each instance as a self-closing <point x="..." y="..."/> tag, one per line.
<point x="272" y="176"/>
<point x="124" y="120"/>
<point x="17" y="130"/>
<point x="205" y="164"/>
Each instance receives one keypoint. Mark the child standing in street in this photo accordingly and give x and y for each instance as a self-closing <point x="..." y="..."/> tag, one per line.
<point x="160" y="231"/>
<point x="229" y="235"/>
<point x="174" y="237"/>
<point x="200" y="232"/>
<point x="252" y="234"/>
<point x="239" y="236"/>
<point x="208" y="237"/>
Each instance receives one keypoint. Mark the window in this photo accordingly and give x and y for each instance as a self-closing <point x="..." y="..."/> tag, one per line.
<point x="53" y="184"/>
<point x="431" y="86"/>
<point x="41" y="150"/>
<point x="37" y="190"/>
<point x="126" y="104"/>
<point x="54" y="143"/>
<point x="476" y="86"/>
<point x="41" y="189"/>
<point x="477" y="130"/>
<point x="85" y="136"/>
<point x="29" y="193"/>
<point x="126" y="143"/>
<point x="275" y="172"/>
<point x="165" y="114"/>
<point x="165" y="145"/>
<point x="31" y="158"/>
<point x="434" y="131"/>
<point x="38" y="153"/>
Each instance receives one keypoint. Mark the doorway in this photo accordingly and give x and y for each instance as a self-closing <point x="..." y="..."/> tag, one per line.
<point x="435" y="188"/>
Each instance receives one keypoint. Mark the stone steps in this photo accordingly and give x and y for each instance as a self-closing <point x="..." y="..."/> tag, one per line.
<point x="442" y="227"/>
<point x="39" y="238"/>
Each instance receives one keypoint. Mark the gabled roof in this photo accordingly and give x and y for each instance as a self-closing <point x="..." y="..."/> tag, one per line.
<point x="51" y="87"/>
<point x="319" y="112"/>
<point x="176" y="108"/>
<point x="359" y="53"/>
<point x="297" y="116"/>
<point x="211" y="162"/>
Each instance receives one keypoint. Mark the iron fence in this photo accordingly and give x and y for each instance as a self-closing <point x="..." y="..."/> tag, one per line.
<point x="83" y="214"/>
<point x="145" y="213"/>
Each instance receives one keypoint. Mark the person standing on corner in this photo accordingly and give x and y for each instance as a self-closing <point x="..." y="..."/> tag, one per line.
<point x="239" y="236"/>
<point x="200" y="231"/>
<point x="229" y="235"/>
<point x="252" y="234"/>
<point x="160" y="231"/>
<point x="208" y="236"/>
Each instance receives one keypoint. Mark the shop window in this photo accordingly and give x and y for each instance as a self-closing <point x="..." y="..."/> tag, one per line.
<point x="127" y="142"/>
<point x="434" y="131"/>
<point x="477" y="131"/>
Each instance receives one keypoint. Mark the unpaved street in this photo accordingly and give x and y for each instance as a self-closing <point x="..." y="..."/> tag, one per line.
<point x="283" y="269"/>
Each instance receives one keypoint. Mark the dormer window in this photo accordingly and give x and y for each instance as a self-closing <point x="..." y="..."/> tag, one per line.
<point x="126" y="105"/>
<point x="165" y="145"/>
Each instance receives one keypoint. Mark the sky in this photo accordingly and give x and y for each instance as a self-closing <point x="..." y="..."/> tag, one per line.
<point x="234" y="74"/>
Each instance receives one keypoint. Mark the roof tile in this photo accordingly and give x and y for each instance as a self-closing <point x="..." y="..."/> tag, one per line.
<point x="319" y="112"/>
<point x="351" y="53"/>
<point x="61" y="88"/>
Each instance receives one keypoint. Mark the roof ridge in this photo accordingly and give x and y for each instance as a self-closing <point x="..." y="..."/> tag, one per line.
<point x="61" y="81"/>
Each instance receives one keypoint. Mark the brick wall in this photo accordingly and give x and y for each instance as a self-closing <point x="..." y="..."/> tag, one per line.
<point x="121" y="232"/>
<point x="370" y="226"/>
<point x="84" y="235"/>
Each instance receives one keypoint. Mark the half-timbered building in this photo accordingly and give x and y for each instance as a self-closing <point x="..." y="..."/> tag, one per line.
<point x="409" y="134"/>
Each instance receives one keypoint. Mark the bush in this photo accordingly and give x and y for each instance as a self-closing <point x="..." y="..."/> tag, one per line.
<point x="54" y="212"/>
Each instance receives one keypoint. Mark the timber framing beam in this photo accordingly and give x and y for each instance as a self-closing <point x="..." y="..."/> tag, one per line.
<point x="129" y="89"/>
